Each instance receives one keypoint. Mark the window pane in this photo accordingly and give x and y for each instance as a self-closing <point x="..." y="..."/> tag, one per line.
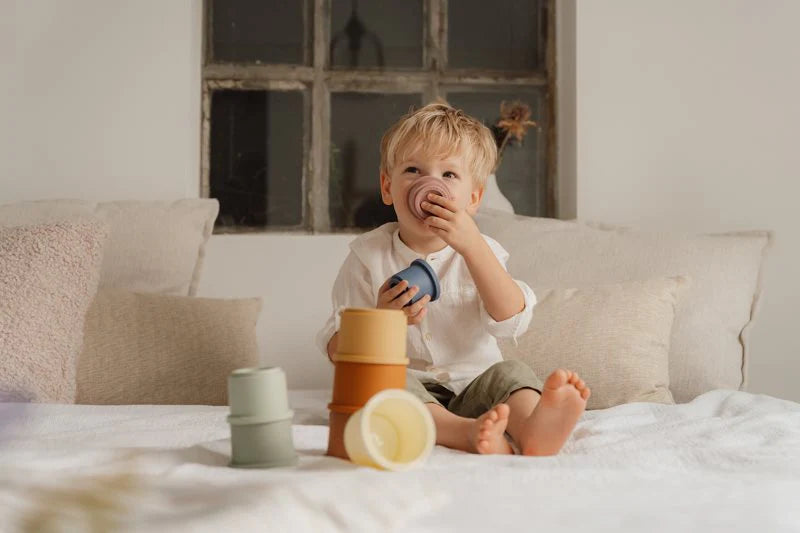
<point x="258" y="31"/>
<point x="522" y="175"/>
<point x="376" y="34"/>
<point x="501" y="35"/>
<point x="257" y="157"/>
<point x="358" y="121"/>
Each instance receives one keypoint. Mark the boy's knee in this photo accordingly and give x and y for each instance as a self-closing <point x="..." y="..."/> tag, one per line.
<point x="513" y="367"/>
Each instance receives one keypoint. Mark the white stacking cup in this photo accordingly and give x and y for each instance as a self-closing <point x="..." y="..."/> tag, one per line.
<point x="393" y="431"/>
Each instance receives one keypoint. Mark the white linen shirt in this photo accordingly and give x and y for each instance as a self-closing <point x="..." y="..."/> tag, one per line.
<point x="456" y="341"/>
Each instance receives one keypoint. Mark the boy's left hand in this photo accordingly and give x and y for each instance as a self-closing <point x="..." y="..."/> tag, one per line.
<point x="453" y="224"/>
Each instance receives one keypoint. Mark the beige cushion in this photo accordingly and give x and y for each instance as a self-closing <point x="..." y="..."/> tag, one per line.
<point x="153" y="246"/>
<point x="495" y="222"/>
<point x="615" y="336"/>
<point x="709" y="339"/>
<point x="48" y="277"/>
<point x="159" y="349"/>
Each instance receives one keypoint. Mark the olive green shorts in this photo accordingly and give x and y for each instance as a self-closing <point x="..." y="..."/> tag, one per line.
<point x="492" y="387"/>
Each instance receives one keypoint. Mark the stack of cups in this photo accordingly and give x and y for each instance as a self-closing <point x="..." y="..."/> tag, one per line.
<point x="260" y="419"/>
<point x="370" y="357"/>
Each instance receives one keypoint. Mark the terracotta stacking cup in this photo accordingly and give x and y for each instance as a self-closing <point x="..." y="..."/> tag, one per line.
<point x="355" y="383"/>
<point x="393" y="431"/>
<point x="339" y="415"/>
<point x="260" y="419"/>
<point x="419" y="192"/>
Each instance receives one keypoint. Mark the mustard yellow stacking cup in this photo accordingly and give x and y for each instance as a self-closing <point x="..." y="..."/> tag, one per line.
<point x="372" y="336"/>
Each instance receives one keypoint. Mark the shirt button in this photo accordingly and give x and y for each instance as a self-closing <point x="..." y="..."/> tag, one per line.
<point x="428" y="337"/>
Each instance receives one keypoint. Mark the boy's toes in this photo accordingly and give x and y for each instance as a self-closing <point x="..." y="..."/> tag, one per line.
<point x="502" y="410"/>
<point x="483" y="446"/>
<point x="557" y="379"/>
<point x="490" y="429"/>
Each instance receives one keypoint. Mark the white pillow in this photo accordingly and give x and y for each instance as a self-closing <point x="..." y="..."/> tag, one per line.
<point x="708" y="348"/>
<point x="153" y="246"/>
<point x="616" y="337"/>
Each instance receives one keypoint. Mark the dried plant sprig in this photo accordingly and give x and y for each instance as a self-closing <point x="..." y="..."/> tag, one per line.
<point x="514" y="121"/>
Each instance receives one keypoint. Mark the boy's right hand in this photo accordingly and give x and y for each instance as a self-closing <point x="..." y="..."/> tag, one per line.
<point x="396" y="298"/>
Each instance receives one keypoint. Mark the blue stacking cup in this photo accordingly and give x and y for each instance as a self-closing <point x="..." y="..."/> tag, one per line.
<point x="421" y="274"/>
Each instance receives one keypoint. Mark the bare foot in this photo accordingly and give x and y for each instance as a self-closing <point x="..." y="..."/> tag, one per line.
<point x="549" y="426"/>
<point x="487" y="434"/>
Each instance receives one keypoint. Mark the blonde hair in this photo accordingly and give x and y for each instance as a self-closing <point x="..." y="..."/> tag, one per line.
<point x="443" y="131"/>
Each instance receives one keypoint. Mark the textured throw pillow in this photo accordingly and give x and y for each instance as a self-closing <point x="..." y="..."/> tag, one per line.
<point x="152" y="247"/>
<point x="160" y="349"/>
<point x="615" y="336"/>
<point x="48" y="277"/>
<point x="708" y="348"/>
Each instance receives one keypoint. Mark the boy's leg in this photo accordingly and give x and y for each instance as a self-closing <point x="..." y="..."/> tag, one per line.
<point x="457" y="432"/>
<point x="541" y="416"/>
<point x="495" y="386"/>
<point x="538" y="425"/>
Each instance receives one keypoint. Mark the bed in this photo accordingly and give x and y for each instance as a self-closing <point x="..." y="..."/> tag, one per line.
<point x="657" y="317"/>
<point x="727" y="461"/>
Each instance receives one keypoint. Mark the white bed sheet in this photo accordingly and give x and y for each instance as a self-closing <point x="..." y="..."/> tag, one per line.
<point x="728" y="461"/>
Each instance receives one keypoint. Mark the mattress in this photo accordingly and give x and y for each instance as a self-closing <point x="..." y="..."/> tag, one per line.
<point x="727" y="461"/>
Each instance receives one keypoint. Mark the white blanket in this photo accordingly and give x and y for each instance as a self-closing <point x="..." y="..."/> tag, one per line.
<point x="728" y="461"/>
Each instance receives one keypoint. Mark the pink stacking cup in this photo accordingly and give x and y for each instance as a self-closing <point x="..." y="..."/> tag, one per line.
<point x="419" y="193"/>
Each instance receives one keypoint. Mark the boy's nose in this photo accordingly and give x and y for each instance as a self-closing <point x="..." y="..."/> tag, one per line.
<point x="419" y="193"/>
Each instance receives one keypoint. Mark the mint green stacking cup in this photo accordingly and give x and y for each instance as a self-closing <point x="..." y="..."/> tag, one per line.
<point x="260" y="419"/>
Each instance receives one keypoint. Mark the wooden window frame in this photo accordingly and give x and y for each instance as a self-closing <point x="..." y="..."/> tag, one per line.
<point x="318" y="81"/>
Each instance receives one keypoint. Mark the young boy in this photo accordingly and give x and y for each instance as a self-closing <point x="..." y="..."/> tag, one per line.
<point x="478" y="401"/>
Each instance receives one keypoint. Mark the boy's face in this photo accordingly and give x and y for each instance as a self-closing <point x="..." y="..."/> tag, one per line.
<point x="452" y="170"/>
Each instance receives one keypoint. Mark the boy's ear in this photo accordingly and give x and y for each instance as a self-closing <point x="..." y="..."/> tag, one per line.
<point x="475" y="200"/>
<point x="386" y="185"/>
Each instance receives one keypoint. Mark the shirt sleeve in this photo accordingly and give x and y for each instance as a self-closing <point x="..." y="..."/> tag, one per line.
<point x="352" y="288"/>
<point x="514" y="326"/>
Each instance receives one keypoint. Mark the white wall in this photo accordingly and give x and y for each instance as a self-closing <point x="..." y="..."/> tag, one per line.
<point x="683" y="114"/>
<point x="105" y="99"/>
<point x="688" y="114"/>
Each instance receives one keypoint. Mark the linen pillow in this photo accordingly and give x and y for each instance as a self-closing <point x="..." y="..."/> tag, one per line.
<point x="48" y="277"/>
<point x="709" y="344"/>
<point x="152" y="247"/>
<point x="160" y="349"/>
<point x="616" y="337"/>
<point x="494" y="222"/>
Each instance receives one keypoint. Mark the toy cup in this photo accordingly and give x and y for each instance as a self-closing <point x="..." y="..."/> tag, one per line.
<point x="419" y="193"/>
<point x="263" y="445"/>
<point x="258" y="393"/>
<point x="260" y="419"/>
<point x="372" y="336"/>
<point x="339" y="415"/>
<point x="421" y="274"/>
<point x="393" y="431"/>
<point x="355" y="383"/>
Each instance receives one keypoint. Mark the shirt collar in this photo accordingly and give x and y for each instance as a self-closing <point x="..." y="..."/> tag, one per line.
<point x="408" y="255"/>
